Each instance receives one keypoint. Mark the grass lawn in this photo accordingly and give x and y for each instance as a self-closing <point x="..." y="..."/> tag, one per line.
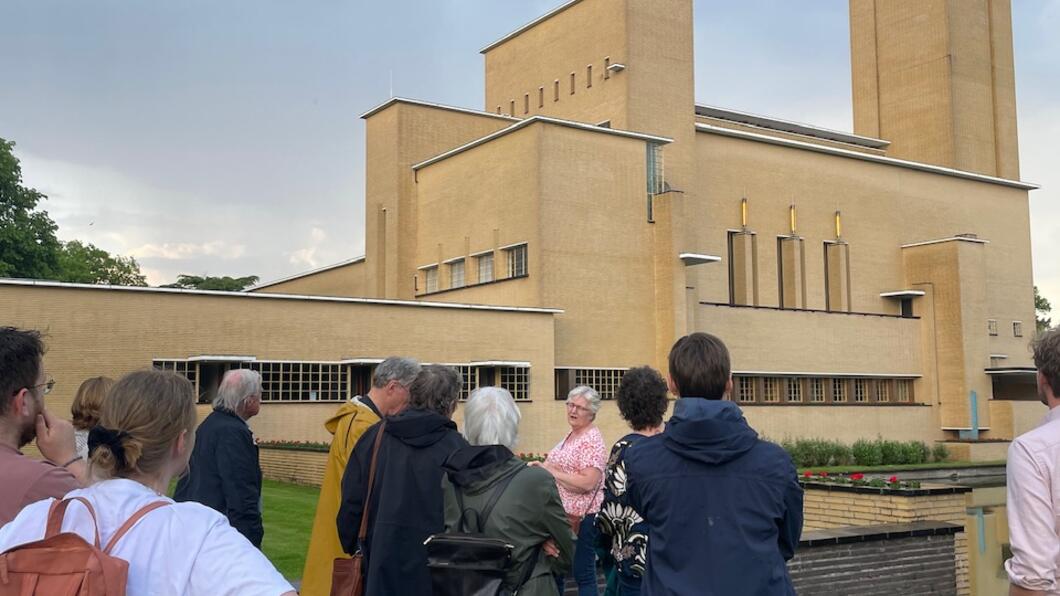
<point x="288" y="516"/>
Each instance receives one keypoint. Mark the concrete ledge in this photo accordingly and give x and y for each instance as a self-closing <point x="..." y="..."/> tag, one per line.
<point x="923" y="491"/>
<point x="881" y="532"/>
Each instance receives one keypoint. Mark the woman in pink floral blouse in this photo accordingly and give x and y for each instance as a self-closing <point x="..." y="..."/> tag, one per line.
<point x="577" y="463"/>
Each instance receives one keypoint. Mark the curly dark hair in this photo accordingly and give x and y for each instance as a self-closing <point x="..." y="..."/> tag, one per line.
<point x="642" y="398"/>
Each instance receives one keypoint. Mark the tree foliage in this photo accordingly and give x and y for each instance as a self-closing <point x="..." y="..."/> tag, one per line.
<point x="29" y="247"/>
<point x="1042" y="308"/>
<point x="86" y="264"/>
<point x="225" y="284"/>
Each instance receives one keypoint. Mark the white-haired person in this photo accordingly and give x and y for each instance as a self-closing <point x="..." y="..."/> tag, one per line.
<point x="224" y="473"/>
<point x="144" y="438"/>
<point x="577" y="463"/>
<point x="527" y="513"/>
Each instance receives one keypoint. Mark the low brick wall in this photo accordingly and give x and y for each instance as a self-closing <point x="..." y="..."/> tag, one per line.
<point x="290" y="465"/>
<point x="915" y="558"/>
<point x="837" y="506"/>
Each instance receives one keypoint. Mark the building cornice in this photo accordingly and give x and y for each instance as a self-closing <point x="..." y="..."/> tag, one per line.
<point x="912" y="165"/>
<point x="950" y="239"/>
<point x="417" y="102"/>
<point x="263" y="296"/>
<point x="545" y="120"/>
<point x="548" y="15"/>
<point x="352" y="261"/>
<point x="788" y="126"/>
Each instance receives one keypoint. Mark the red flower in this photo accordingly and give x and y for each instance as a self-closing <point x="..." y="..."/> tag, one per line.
<point x="893" y="479"/>
<point x="856" y="476"/>
<point x="822" y="474"/>
<point x="808" y="475"/>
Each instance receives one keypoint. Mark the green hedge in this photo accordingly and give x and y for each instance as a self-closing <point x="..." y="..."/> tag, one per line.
<point x="808" y="453"/>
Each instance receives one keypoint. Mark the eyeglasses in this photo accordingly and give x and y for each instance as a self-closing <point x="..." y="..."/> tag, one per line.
<point x="577" y="408"/>
<point x="47" y="386"/>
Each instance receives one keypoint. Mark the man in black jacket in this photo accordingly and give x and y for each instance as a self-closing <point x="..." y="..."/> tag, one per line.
<point x="224" y="472"/>
<point x="406" y="503"/>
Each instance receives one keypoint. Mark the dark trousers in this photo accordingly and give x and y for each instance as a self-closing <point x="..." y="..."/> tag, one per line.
<point x="584" y="566"/>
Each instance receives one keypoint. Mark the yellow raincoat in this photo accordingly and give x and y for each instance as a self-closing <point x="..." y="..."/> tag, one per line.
<point x="346" y="426"/>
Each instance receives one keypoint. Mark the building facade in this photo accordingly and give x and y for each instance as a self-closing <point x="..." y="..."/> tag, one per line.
<point x="868" y="283"/>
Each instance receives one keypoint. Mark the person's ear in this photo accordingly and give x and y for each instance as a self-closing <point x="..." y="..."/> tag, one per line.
<point x="672" y="386"/>
<point x="18" y="403"/>
<point x="181" y="444"/>
<point x="728" y="387"/>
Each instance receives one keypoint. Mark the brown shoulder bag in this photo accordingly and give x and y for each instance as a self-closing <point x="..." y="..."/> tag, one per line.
<point x="347" y="575"/>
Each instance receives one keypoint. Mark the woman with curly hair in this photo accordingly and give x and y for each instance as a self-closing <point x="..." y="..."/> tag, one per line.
<point x="85" y="410"/>
<point x="642" y="402"/>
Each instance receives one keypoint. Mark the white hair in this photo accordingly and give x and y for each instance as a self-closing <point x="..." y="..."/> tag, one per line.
<point x="236" y="386"/>
<point x="590" y="396"/>
<point x="395" y="368"/>
<point x="491" y="418"/>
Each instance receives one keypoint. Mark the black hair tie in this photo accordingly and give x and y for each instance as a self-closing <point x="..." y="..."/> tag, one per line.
<point x="112" y="439"/>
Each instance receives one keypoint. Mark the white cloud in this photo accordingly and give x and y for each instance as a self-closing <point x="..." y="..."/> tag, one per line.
<point x="307" y="256"/>
<point x="184" y="250"/>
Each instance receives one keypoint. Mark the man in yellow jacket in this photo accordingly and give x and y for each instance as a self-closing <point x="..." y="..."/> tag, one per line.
<point x="388" y="396"/>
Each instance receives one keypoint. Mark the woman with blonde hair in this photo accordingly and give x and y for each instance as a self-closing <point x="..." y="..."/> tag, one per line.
<point x="144" y="438"/>
<point x="85" y="410"/>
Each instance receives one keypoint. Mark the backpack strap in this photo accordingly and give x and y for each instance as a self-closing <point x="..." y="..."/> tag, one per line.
<point x="129" y="523"/>
<point x="488" y="508"/>
<point x="58" y="511"/>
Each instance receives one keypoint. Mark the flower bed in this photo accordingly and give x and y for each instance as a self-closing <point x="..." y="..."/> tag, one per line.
<point x="858" y="479"/>
<point x="316" y="447"/>
<point x="529" y="457"/>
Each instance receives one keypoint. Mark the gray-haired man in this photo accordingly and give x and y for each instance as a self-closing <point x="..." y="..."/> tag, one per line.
<point x="388" y="396"/>
<point x="224" y="472"/>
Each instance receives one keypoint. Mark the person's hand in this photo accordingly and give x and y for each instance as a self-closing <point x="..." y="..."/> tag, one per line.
<point x="55" y="438"/>
<point x="550" y="548"/>
<point x="535" y="464"/>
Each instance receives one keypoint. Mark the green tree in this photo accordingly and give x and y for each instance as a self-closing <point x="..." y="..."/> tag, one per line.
<point x="1042" y="308"/>
<point x="86" y="264"/>
<point x="226" y="284"/>
<point x="28" y="245"/>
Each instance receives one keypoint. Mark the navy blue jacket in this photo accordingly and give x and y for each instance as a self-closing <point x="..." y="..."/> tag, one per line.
<point x="224" y="473"/>
<point x="724" y="508"/>
<point x="407" y="504"/>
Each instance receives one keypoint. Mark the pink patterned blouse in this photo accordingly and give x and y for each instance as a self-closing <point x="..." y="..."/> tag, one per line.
<point x="574" y="454"/>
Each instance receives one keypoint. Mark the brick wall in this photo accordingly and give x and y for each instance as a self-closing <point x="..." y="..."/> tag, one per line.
<point x="288" y="465"/>
<point x="839" y="506"/>
<point x="877" y="564"/>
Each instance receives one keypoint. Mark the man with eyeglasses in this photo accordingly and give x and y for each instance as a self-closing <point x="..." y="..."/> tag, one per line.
<point x="23" y="385"/>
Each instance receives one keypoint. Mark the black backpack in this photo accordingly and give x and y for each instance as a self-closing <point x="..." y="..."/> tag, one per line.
<point x="468" y="563"/>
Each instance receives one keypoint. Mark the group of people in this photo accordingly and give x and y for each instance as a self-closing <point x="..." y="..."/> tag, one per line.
<point x="677" y="508"/>
<point x="698" y="504"/>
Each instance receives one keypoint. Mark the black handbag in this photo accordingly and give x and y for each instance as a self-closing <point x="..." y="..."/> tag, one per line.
<point x="470" y="564"/>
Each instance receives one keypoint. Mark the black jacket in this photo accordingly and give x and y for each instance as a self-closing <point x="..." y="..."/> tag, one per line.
<point x="406" y="504"/>
<point x="224" y="473"/>
<point x="723" y="507"/>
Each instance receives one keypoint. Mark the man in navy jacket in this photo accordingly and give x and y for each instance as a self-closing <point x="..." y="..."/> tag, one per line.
<point x="723" y="507"/>
<point x="224" y="472"/>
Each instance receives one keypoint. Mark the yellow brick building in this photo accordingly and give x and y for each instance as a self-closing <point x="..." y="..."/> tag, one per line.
<point x="592" y="212"/>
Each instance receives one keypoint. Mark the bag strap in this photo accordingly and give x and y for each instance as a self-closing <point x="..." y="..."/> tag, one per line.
<point x="362" y="533"/>
<point x="58" y="511"/>
<point x="488" y="508"/>
<point x="530" y="569"/>
<point x="603" y="480"/>
<point x="129" y="523"/>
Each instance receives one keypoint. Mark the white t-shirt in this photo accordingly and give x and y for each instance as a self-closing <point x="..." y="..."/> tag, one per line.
<point x="183" y="549"/>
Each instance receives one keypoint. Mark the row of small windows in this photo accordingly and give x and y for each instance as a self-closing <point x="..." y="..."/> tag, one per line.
<point x="331" y="381"/>
<point x="515" y="259"/>
<point x="573" y="85"/>
<point x="1017" y="328"/>
<point x="821" y="390"/>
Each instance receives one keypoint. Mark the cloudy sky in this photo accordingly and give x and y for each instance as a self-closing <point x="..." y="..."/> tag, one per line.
<point x="222" y="137"/>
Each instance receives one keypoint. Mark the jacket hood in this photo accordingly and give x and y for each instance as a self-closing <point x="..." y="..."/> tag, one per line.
<point x="344" y="410"/>
<point x="419" y="428"/>
<point x="476" y="468"/>
<point x="709" y="431"/>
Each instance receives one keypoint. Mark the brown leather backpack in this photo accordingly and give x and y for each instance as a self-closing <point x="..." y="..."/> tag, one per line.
<point x="66" y="564"/>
